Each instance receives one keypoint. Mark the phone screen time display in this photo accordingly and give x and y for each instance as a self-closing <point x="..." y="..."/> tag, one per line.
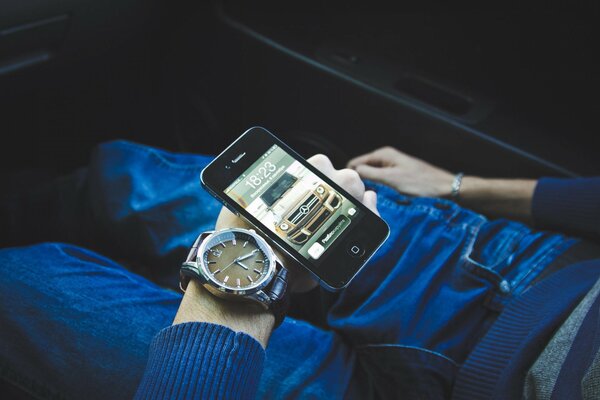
<point x="293" y="202"/>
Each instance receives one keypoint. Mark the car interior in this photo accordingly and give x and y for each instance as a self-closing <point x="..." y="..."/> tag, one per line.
<point x="505" y="90"/>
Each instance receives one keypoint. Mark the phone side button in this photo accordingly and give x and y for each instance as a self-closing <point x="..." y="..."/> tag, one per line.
<point x="355" y="249"/>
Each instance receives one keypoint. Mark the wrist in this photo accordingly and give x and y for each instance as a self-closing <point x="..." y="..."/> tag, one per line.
<point x="444" y="185"/>
<point x="198" y="305"/>
<point x="508" y="198"/>
<point x="473" y="188"/>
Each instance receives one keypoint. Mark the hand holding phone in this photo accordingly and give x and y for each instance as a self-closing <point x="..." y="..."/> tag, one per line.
<point x="300" y="279"/>
<point x="316" y="222"/>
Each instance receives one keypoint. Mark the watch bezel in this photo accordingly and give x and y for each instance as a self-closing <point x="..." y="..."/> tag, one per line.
<point x="251" y="289"/>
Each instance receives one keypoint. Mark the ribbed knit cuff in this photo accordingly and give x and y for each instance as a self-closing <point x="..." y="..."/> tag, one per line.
<point x="202" y="361"/>
<point x="498" y="364"/>
<point x="567" y="204"/>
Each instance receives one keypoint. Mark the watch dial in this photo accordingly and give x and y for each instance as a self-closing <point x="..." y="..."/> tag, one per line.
<point x="235" y="260"/>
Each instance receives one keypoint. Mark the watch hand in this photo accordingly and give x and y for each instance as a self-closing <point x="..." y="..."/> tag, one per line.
<point x="233" y="262"/>
<point x="244" y="257"/>
<point x="241" y="265"/>
<point x="237" y="260"/>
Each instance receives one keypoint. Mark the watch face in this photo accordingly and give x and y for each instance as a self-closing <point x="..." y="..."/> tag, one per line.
<point x="236" y="260"/>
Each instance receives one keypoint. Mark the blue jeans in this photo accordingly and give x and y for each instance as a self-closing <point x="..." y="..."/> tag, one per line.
<point x="77" y="324"/>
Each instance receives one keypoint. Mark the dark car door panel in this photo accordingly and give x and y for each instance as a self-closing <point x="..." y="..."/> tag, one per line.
<point x="470" y="92"/>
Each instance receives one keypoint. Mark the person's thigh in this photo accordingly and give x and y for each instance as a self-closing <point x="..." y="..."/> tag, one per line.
<point x="78" y="325"/>
<point x="416" y="309"/>
<point x="147" y="204"/>
<point x="305" y="362"/>
<point x="138" y="204"/>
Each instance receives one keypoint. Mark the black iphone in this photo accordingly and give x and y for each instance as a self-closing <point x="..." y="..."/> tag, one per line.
<point x="309" y="216"/>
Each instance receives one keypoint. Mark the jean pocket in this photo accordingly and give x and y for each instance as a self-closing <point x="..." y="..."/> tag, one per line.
<point x="396" y="371"/>
<point x="490" y="250"/>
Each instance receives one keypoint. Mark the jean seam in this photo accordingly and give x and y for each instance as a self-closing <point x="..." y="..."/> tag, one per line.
<point x="535" y="267"/>
<point x="448" y="216"/>
<point x="122" y="272"/>
<point x="394" y="205"/>
<point x="474" y="268"/>
<point x="506" y="251"/>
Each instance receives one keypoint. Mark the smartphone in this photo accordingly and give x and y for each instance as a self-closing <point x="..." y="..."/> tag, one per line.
<point x="311" y="218"/>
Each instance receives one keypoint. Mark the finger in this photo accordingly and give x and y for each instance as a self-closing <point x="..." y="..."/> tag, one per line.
<point x="350" y="181"/>
<point x="370" y="200"/>
<point x="322" y="163"/>
<point x="377" y="158"/>
<point x="369" y="159"/>
<point x="376" y="174"/>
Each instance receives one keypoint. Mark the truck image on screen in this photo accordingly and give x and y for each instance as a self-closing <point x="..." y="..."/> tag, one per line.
<point x="301" y="207"/>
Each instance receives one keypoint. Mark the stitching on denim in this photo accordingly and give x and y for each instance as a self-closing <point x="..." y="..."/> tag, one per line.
<point x="489" y="271"/>
<point x="453" y="214"/>
<point x="471" y="266"/>
<point x="470" y="239"/>
<point x="391" y="196"/>
<point x="518" y="287"/>
<point x="505" y="251"/>
<point x="400" y="346"/>
<point x="535" y="269"/>
<point x="430" y="210"/>
<point x="131" y="277"/>
<point x="388" y="197"/>
<point x="481" y="271"/>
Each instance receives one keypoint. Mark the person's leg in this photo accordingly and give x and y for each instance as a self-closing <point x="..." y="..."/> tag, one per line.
<point x="77" y="325"/>
<point x="74" y="323"/>
<point x="135" y="203"/>
<point x="429" y="294"/>
<point x="436" y="285"/>
<point x="306" y="362"/>
<point x="149" y="203"/>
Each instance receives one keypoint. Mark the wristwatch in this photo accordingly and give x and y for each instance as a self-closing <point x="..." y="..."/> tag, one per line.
<point x="238" y="264"/>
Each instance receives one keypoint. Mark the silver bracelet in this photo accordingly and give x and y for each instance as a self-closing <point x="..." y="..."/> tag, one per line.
<point x="455" y="190"/>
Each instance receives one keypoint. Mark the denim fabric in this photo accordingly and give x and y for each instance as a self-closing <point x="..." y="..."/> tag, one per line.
<point x="425" y="299"/>
<point x="77" y="324"/>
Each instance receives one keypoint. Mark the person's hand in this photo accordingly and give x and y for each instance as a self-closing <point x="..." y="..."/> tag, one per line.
<point x="496" y="198"/>
<point x="198" y="305"/>
<point x="406" y="174"/>
<point x="300" y="279"/>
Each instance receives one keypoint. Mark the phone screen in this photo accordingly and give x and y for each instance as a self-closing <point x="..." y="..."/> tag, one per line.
<point x="311" y="218"/>
<point x="293" y="202"/>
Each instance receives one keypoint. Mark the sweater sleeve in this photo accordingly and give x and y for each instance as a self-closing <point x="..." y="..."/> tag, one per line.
<point x="569" y="205"/>
<point x="201" y="361"/>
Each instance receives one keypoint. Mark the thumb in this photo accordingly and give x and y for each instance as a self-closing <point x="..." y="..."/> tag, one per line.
<point x="370" y="200"/>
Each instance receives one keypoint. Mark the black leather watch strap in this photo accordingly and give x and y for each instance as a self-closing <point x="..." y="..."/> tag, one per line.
<point x="278" y="292"/>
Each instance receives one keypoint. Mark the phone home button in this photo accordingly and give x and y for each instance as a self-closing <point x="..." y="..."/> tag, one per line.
<point x="355" y="249"/>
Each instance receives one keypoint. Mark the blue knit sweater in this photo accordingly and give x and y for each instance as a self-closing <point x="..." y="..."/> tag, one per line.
<point x="568" y="205"/>
<point x="497" y="367"/>
<point x="201" y="360"/>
